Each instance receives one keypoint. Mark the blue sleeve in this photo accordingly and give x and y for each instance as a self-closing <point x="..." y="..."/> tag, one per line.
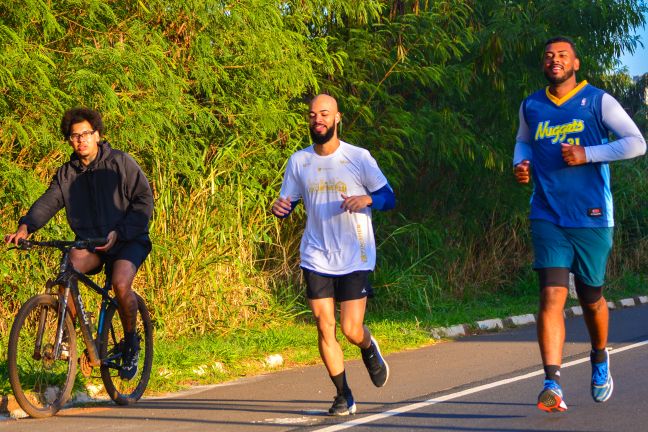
<point x="383" y="198"/>
<point x="292" y="207"/>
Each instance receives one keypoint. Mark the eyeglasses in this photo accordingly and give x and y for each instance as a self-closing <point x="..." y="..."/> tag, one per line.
<point x="81" y="136"/>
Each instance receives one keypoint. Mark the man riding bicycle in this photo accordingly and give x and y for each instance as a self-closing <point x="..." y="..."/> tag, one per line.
<point x="105" y="194"/>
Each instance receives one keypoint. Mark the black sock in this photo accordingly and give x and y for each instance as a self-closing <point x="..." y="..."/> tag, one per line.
<point x="340" y="383"/>
<point x="130" y="339"/>
<point x="552" y="372"/>
<point x="598" y="356"/>
<point x="369" y="349"/>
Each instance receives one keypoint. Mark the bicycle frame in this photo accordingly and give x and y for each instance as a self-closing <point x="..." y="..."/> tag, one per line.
<point x="68" y="278"/>
<point x="43" y="379"/>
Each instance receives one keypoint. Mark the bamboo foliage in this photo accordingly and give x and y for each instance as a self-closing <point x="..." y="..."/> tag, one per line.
<point x="210" y="96"/>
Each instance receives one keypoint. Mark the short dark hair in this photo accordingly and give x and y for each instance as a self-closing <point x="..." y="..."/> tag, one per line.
<point x="77" y="115"/>
<point x="566" y="39"/>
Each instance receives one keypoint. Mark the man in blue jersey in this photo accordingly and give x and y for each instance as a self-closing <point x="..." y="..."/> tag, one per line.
<point x="339" y="184"/>
<point x="563" y="143"/>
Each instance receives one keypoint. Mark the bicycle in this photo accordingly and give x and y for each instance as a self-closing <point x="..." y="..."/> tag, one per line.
<point x="42" y="352"/>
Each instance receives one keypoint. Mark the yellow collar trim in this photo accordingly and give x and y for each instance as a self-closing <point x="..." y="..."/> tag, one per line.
<point x="568" y="96"/>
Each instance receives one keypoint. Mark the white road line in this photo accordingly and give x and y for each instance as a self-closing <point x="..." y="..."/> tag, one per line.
<point x="419" y="405"/>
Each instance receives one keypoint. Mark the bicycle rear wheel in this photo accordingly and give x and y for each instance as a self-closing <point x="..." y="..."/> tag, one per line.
<point x="41" y="382"/>
<point x="125" y="392"/>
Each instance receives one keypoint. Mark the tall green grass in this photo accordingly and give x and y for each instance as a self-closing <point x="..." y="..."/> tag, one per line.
<point x="210" y="98"/>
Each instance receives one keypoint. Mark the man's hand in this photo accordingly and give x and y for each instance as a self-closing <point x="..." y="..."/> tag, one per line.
<point x="112" y="239"/>
<point x="355" y="203"/>
<point x="281" y="207"/>
<point x="21" y="233"/>
<point x="522" y="172"/>
<point x="573" y="154"/>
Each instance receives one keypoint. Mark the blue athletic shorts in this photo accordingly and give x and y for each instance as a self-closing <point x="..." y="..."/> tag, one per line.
<point x="584" y="251"/>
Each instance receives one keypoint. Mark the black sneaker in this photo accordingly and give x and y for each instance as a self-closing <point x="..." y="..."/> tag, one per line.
<point x="130" y="358"/>
<point x="343" y="405"/>
<point x="376" y="365"/>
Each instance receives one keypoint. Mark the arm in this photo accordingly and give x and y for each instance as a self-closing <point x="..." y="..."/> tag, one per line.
<point x="284" y="205"/>
<point x="522" y="150"/>
<point x="522" y="154"/>
<point x="383" y="198"/>
<point x="140" y="209"/>
<point x="630" y="142"/>
<point x="44" y="208"/>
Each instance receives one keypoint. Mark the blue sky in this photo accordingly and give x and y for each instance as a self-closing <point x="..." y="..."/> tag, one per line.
<point x="638" y="62"/>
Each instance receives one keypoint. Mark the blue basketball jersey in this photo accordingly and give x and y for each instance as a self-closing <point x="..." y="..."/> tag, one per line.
<point x="568" y="196"/>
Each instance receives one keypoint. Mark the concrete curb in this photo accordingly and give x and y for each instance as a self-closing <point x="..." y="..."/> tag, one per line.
<point x="495" y="324"/>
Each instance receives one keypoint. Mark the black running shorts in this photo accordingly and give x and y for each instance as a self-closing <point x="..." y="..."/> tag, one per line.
<point x="350" y="286"/>
<point x="134" y="251"/>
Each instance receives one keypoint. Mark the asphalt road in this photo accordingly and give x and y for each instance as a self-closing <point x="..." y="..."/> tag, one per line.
<point x="479" y="383"/>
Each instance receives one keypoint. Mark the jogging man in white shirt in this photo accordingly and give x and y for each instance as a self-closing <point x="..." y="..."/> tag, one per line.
<point x="339" y="184"/>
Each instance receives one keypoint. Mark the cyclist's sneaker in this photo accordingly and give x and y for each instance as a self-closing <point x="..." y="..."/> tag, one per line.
<point x="602" y="384"/>
<point x="376" y="365"/>
<point x="343" y="405"/>
<point x="550" y="398"/>
<point x="130" y="358"/>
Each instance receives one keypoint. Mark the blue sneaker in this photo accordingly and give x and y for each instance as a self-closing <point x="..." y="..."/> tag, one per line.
<point x="602" y="384"/>
<point x="550" y="398"/>
<point x="343" y="405"/>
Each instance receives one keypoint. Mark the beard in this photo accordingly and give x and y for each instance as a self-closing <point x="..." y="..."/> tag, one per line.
<point x="559" y="80"/>
<point x="322" y="138"/>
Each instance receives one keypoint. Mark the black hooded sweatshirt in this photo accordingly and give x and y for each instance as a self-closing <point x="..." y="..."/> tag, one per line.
<point x="110" y="194"/>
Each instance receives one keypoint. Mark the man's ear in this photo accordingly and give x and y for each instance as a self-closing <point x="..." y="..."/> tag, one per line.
<point x="576" y="64"/>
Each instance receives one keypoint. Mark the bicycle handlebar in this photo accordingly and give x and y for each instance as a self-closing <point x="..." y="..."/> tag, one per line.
<point x="92" y="243"/>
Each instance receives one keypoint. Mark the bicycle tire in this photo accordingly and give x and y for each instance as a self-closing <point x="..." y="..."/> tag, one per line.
<point x="125" y="392"/>
<point x="40" y="383"/>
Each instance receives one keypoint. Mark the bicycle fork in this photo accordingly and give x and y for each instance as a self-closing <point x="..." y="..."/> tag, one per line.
<point x="72" y="287"/>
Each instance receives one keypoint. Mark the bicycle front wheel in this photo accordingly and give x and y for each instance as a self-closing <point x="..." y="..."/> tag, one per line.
<point x="41" y="380"/>
<point x="122" y="391"/>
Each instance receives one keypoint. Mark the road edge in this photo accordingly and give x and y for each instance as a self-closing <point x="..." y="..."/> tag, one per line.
<point x="9" y="408"/>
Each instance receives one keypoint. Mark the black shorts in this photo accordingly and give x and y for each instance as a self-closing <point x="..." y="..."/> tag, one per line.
<point x="134" y="251"/>
<point x="352" y="286"/>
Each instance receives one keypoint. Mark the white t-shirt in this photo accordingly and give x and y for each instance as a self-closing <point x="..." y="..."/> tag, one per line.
<point x="335" y="242"/>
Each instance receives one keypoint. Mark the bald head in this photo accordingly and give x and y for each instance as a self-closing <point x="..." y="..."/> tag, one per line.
<point x="323" y="118"/>
<point x="324" y="100"/>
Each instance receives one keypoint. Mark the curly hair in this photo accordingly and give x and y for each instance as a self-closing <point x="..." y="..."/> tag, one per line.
<point x="77" y="115"/>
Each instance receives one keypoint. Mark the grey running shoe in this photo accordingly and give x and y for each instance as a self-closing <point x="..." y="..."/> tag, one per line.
<point x="343" y="405"/>
<point x="376" y="365"/>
